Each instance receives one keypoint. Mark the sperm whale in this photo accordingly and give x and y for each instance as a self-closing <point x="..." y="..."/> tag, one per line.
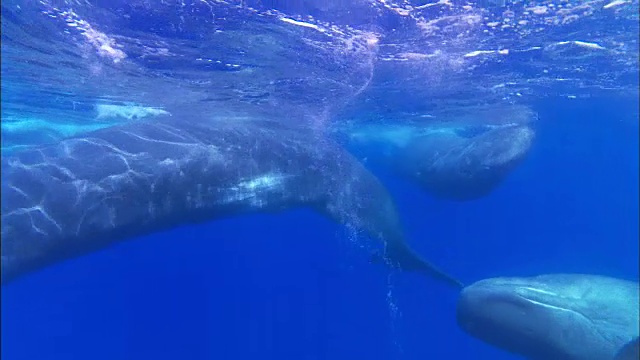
<point x="86" y="192"/>
<point x="554" y="316"/>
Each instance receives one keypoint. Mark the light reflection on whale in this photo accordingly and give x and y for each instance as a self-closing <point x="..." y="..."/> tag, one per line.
<point x="85" y="192"/>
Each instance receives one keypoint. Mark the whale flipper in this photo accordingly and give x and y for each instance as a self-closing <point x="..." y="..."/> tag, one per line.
<point x="86" y="192"/>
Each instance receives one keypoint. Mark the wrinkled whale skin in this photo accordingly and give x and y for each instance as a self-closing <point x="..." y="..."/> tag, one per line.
<point x="553" y="316"/>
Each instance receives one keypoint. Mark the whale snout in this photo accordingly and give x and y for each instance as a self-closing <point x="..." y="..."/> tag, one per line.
<point x="553" y="316"/>
<point x="494" y="311"/>
<point x="485" y="306"/>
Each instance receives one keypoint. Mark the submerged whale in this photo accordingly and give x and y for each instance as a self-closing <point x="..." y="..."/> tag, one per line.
<point x="453" y="166"/>
<point x="86" y="192"/>
<point x="463" y="158"/>
<point x="555" y="316"/>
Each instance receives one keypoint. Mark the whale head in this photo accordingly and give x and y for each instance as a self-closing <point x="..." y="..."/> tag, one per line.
<point x="559" y="316"/>
<point x="468" y="163"/>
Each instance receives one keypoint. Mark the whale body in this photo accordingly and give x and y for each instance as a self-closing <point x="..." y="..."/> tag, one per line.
<point x="86" y="192"/>
<point x="555" y="316"/>
<point x="458" y="156"/>
<point x="453" y="166"/>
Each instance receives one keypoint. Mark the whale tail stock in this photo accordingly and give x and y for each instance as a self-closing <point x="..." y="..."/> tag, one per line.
<point x="399" y="256"/>
<point x="357" y="198"/>
<point x="397" y="253"/>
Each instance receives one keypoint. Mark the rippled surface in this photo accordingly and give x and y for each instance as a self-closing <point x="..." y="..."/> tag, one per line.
<point x="63" y="61"/>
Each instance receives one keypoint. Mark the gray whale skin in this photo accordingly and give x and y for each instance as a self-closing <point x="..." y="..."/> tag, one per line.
<point x="462" y="168"/>
<point x="86" y="192"/>
<point x="554" y="316"/>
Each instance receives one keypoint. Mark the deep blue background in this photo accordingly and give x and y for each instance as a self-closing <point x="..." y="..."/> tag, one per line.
<point x="293" y="286"/>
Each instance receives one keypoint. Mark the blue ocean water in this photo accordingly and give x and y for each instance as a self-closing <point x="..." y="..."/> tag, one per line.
<point x="293" y="284"/>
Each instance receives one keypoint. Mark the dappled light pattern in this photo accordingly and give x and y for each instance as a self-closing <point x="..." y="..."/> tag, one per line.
<point x="87" y="192"/>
